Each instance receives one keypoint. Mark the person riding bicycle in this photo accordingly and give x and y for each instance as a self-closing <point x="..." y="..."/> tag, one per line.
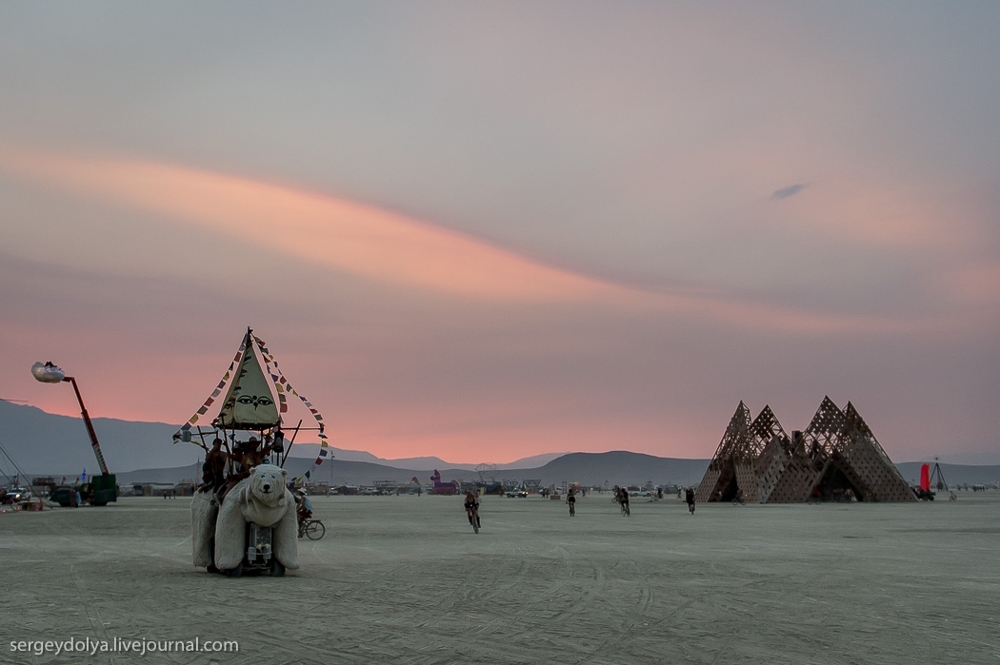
<point x="623" y="499"/>
<point x="472" y="509"/>
<point x="303" y="508"/>
<point x="571" y="500"/>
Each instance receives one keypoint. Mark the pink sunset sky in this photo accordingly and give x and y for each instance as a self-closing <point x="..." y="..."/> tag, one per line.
<point x="488" y="231"/>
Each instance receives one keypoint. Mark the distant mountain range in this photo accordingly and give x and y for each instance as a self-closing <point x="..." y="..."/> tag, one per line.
<point x="611" y="468"/>
<point x="34" y="442"/>
<point x="43" y="443"/>
<point x="311" y="450"/>
<point x="591" y="469"/>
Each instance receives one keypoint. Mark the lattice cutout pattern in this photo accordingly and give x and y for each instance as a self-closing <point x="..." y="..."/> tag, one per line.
<point x="771" y="467"/>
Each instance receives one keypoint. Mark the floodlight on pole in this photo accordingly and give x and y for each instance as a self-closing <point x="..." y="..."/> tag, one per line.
<point x="49" y="373"/>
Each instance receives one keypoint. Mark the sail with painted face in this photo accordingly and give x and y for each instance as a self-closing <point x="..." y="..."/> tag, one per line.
<point x="256" y="397"/>
<point x="250" y="402"/>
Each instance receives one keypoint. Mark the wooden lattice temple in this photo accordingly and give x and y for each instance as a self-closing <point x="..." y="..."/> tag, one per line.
<point x="836" y="457"/>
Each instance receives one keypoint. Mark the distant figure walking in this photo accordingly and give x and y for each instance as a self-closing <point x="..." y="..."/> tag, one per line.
<point x="689" y="499"/>
<point x="571" y="500"/>
<point x="472" y="510"/>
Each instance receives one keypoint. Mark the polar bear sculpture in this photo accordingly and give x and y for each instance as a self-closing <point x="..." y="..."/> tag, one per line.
<point x="261" y="498"/>
<point x="204" y="508"/>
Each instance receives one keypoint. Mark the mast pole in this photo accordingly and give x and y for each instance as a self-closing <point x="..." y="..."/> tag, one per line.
<point x="90" y="428"/>
<point x="291" y="441"/>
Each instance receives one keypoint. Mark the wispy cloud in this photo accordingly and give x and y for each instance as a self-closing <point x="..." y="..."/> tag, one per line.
<point x="785" y="192"/>
<point x="394" y="248"/>
<point x="354" y="237"/>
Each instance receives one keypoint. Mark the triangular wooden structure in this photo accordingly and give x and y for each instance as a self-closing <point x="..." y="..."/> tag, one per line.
<point x="836" y="458"/>
<point x="722" y="468"/>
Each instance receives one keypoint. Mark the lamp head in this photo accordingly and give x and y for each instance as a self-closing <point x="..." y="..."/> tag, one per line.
<point x="47" y="372"/>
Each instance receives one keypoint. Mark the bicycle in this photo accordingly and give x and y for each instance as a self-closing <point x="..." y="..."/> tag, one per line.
<point x="740" y="499"/>
<point x="312" y="529"/>
<point x="472" y="511"/>
<point x="625" y="509"/>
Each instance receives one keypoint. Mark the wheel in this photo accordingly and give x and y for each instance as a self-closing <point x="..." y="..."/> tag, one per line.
<point x="277" y="569"/>
<point x="315" y="530"/>
<point x="691" y="508"/>
<point x="475" y="527"/>
<point x="237" y="571"/>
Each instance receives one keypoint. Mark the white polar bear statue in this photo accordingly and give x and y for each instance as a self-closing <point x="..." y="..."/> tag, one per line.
<point x="261" y="498"/>
<point x="204" y="508"/>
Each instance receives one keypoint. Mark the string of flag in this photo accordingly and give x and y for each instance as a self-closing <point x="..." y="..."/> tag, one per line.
<point x="282" y="386"/>
<point x="184" y="433"/>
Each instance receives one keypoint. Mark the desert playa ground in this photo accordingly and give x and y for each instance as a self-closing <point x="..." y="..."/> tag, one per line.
<point x="405" y="580"/>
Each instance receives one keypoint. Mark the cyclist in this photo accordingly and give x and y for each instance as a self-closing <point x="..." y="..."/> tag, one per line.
<point x="303" y="509"/>
<point x="571" y="500"/>
<point x="623" y="498"/>
<point x="472" y="509"/>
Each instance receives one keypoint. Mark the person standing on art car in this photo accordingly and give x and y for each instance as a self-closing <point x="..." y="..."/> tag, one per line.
<point x="213" y="471"/>
<point x="255" y="453"/>
<point x="250" y="454"/>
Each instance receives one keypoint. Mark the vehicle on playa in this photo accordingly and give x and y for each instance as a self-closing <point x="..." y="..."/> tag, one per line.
<point x="243" y="515"/>
<point x="99" y="491"/>
<point x="520" y="494"/>
<point x="14" y="495"/>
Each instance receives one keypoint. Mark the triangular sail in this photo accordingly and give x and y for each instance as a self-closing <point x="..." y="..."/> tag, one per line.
<point x="252" y="402"/>
<point x="249" y="403"/>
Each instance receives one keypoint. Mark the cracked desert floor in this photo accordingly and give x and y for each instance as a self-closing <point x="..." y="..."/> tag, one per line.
<point x="405" y="580"/>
